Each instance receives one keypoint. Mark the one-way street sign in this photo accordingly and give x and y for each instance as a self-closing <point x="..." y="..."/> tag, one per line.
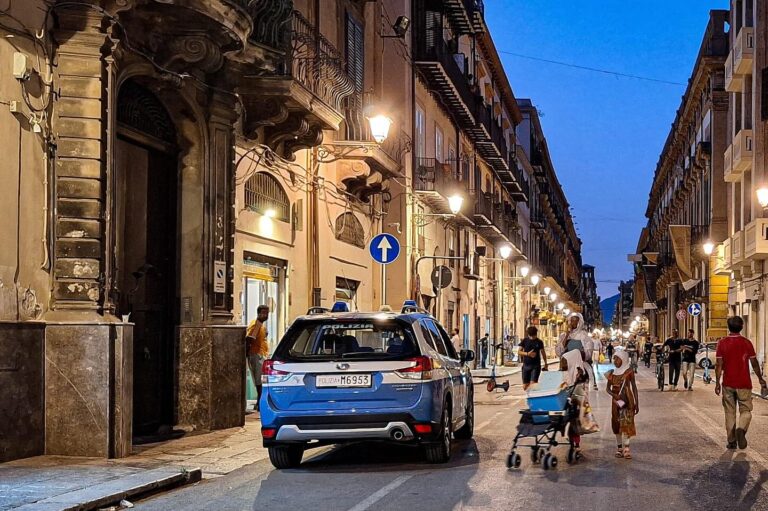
<point x="384" y="248"/>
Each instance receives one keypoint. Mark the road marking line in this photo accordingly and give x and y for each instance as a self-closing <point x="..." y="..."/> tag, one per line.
<point x="383" y="492"/>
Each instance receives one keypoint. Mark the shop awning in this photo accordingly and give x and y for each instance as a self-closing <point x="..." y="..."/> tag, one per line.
<point x="681" y="245"/>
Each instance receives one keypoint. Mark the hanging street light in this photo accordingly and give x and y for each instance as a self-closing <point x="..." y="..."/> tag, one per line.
<point x="708" y="247"/>
<point x="380" y="125"/>
<point x="455" y="202"/>
<point x="505" y="251"/>
<point x="524" y="271"/>
<point x="535" y="280"/>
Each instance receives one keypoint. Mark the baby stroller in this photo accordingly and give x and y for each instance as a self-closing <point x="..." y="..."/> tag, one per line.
<point x="550" y="409"/>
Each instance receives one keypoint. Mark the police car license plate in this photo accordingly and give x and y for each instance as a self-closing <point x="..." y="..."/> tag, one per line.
<point x="343" y="380"/>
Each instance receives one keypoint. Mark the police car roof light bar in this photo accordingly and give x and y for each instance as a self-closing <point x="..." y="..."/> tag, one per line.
<point x="340" y="307"/>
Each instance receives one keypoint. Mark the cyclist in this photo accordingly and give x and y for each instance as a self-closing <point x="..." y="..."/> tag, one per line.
<point x="647" y="351"/>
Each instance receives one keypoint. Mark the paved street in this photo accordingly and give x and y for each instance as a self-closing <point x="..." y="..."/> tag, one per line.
<point x="680" y="462"/>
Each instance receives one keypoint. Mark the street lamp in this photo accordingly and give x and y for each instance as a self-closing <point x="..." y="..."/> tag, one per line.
<point x="524" y="271"/>
<point x="561" y="306"/>
<point x="553" y="297"/>
<point x="708" y="247"/>
<point x="505" y="251"/>
<point x="455" y="202"/>
<point x="762" y="196"/>
<point x="535" y="280"/>
<point x="379" y="127"/>
<point x="567" y="312"/>
<point x="547" y="290"/>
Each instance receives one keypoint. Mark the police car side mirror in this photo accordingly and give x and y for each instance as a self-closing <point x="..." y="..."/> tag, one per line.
<point x="466" y="356"/>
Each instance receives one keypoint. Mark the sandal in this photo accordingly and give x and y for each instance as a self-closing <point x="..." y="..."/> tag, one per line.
<point x="627" y="454"/>
<point x="619" y="453"/>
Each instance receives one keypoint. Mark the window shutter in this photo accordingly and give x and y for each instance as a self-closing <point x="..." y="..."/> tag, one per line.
<point x="764" y="95"/>
<point x="355" y="53"/>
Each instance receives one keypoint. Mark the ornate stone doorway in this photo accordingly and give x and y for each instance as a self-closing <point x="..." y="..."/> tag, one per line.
<point x="146" y="254"/>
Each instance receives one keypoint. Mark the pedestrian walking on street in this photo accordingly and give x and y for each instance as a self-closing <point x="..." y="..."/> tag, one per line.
<point x="674" y="350"/>
<point x="257" y="347"/>
<point x="456" y="341"/>
<point x="532" y="351"/>
<point x="690" y="347"/>
<point x="589" y="350"/>
<point x="609" y="350"/>
<point x="574" y="338"/>
<point x="735" y="353"/>
<point x="484" y="350"/>
<point x="623" y="391"/>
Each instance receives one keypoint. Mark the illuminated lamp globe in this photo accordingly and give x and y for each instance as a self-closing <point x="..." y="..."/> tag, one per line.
<point x="379" y="127"/>
<point x="455" y="202"/>
<point x="762" y="196"/>
<point x="561" y="306"/>
<point x="505" y="251"/>
<point x="547" y="290"/>
<point x="553" y="297"/>
<point x="524" y="271"/>
<point x="535" y="280"/>
<point x="708" y="247"/>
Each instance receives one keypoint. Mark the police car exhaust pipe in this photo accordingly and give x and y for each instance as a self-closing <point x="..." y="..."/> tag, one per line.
<point x="398" y="434"/>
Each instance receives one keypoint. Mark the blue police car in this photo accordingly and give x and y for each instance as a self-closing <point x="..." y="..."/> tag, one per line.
<point x="341" y="377"/>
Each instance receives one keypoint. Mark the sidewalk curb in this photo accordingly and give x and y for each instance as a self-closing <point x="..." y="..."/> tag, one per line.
<point x="754" y="394"/>
<point x="482" y="380"/>
<point x="85" y="500"/>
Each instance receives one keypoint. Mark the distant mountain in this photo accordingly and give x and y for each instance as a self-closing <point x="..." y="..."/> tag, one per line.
<point x="608" y="306"/>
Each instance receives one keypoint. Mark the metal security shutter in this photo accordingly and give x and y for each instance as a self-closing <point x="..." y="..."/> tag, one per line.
<point x="355" y="53"/>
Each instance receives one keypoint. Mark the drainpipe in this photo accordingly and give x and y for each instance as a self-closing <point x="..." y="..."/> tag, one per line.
<point x="313" y="243"/>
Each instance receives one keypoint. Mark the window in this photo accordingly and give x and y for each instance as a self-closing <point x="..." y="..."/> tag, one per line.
<point x="421" y="133"/>
<point x="433" y="336"/>
<point x="439" y="144"/>
<point x="447" y="341"/>
<point x="339" y="340"/>
<point x="346" y="291"/>
<point x="350" y="230"/>
<point x="264" y="193"/>
<point x="355" y="53"/>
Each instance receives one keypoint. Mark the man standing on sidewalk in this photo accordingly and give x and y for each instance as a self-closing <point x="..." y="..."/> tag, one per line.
<point x="672" y="346"/>
<point x="484" y="350"/>
<point x="257" y="347"/>
<point x="734" y="355"/>
<point x="456" y="341"/>
<point x="690" y="347"/>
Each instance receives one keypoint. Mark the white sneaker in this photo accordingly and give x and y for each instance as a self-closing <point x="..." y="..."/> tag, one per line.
<point x="674" y="388"/>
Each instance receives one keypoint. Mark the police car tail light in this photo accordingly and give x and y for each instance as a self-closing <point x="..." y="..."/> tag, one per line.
<point x="270" y="373"/>
<point x="420" y="370"/>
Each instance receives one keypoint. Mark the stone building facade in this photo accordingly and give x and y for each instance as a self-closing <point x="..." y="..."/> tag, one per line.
<point x="688" y="203"/>
<point x="173" y="165"/>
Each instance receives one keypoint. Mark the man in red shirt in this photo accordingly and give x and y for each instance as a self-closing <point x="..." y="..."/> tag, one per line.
<point x="734" y="355"/>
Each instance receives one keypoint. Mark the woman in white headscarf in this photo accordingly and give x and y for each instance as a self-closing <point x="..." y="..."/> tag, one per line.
<point x="623" y="390"/>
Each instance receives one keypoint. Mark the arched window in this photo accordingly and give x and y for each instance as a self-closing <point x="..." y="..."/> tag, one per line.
<point x="350" y="230"/>
<point x="263" y="193"/>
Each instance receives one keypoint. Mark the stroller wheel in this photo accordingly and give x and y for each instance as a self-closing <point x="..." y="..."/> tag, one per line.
<point x="537" y="453"/>
<point x="573" y="456"/>
<point x="513" y="460"/>
<point x="549" y="461"/>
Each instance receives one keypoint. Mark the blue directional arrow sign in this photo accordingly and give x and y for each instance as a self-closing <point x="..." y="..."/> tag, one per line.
<point x="384" y="248"/>
<point x="694" y="309"/>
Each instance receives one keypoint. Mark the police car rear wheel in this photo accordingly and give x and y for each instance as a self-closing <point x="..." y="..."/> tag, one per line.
<point x="440" y="451"/>
<point x="286" y="456"/>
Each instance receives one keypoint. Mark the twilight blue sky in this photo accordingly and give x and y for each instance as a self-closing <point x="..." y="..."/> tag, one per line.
<point x="605" y="133"/>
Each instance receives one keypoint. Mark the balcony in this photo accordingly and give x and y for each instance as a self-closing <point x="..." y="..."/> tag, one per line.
<point x="738" y="156"/>
<point x="738" y="65"/>
<point x="538" y="222"/>
<point x="303" y="96"/>
<point x="483" y="213"/>
<point x="737" y="249"/>
<point x="460" y="14"/>
<point x="727" y="255"/>
<point x="756" y="240"/>
<point x="443" y="69"/>
<point x="434" y="182"/>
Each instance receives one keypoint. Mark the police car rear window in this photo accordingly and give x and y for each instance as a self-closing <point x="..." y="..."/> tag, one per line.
<point x="360" y="340"/>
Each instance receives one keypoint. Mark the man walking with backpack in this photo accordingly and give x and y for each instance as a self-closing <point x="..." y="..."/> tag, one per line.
<point x="735" y="354"/>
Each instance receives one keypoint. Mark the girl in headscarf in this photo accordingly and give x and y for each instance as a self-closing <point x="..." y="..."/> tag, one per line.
<point x="577" y="375"/>
<point x="623" y="389"/>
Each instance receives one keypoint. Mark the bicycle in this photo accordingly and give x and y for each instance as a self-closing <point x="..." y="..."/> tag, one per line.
<point x="660" y="360"/>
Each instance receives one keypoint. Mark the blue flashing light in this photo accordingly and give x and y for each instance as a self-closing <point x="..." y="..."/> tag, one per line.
<point x="340" y="307"/>
<point x="409" y="303"/>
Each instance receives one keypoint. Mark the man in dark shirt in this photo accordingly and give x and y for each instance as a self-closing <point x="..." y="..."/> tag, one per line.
<point x="690" y="347"/>
<point x="531" y="352"/>
<point x="673" y="349"/>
